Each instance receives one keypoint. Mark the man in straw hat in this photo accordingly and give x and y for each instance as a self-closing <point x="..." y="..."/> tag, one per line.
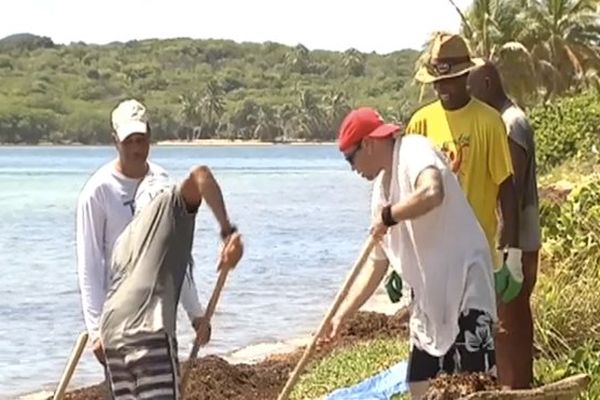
<point x="515" y="341"/>
<point x="473" y="137"/>
<point x="427" y="230"/>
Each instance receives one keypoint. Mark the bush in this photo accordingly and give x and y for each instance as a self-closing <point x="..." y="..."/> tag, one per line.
<point x="566" y="128"/>
<point x="566" y="298"/>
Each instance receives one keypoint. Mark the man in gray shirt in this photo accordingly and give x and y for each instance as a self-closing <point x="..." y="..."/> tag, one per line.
<point x="150" y="261"/>
<point x="514" y="343"/>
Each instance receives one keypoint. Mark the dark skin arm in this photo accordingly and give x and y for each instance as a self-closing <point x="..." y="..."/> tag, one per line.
<point x="518" y="156"/>
<point x="509" y="214"/>
<point x="201" y="185"/>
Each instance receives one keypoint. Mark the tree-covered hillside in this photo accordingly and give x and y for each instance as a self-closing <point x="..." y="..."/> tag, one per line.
<point x="194" y="88"/>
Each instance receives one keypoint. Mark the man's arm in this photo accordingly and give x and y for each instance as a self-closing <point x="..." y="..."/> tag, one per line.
<point x="508" y="196"/>
<point x="90" y="261"/>
<point x="201" y="184"/>
<point x="189" y="299"/>
<point x="509" y="214"/>
<point x="363" y="287"/>
<point x="428" y="194"/>
<point x="501" y="172"/>
<point x="518" y="156"/>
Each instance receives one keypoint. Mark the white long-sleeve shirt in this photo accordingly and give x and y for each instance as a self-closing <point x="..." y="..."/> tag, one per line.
<point x="105" y="208"/>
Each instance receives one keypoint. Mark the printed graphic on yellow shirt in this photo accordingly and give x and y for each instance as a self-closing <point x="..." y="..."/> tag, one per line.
<point x="455" y="152"/>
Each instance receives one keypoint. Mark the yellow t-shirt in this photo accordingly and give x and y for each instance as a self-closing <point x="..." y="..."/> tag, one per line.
<point x="474" y="140"/>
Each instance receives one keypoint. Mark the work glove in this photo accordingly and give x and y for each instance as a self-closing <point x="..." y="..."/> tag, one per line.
<point x="508" y="276"/>
<point x="393" y="286"/>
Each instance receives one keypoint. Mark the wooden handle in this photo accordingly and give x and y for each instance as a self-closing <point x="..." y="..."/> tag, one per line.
<point x="210" y="310"/>
<point x="59" y="393"/>
<point x="331" y="312"/>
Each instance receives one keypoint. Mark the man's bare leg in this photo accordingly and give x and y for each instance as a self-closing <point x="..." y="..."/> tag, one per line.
<point x="514" y="342"/>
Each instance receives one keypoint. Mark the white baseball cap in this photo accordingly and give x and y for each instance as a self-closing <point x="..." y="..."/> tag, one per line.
<point x="129" y="117"/>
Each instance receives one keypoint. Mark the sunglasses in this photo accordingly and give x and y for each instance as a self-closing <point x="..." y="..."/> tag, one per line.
<point x="350" y="157"/>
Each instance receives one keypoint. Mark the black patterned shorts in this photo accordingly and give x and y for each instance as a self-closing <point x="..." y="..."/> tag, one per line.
<point x="473" y="351"/>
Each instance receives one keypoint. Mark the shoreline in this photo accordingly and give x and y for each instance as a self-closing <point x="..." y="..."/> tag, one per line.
<point x="185" y="143"/>
<point x="255" y="353"/>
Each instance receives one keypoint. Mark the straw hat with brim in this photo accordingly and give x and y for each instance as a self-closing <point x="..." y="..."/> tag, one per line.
<point x="448" y="58"/>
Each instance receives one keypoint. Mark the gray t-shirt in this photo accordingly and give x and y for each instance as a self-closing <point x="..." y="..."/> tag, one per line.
<point x="148" y="268"/>
<point x="521" y="133"/>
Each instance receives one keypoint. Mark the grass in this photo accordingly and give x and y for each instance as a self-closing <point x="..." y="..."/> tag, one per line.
<point x="584" y="359"/>
<point x="349" y="365"/>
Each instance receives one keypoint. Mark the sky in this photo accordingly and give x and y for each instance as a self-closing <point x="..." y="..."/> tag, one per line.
<point x="368" y="25"/>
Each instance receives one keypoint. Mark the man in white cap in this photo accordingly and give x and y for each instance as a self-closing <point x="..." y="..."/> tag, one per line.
<point x="151" y="259"/>
<point x="105" y="207"/>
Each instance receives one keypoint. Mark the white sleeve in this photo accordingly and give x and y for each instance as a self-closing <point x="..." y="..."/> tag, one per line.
<point x="91" y="266"/>
<point x="189" y="298"/>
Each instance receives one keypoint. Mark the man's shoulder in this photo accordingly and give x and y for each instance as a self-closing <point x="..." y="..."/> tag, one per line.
<point x="157" y="170"/>
<point x="484" y="109"/>
<point x="425" y="110"/>
<point x="514" y="115"/>
<point x="416" y="141"/>
<point x="487" y="116"/>
<point x="517" y="125"/>
<point x="97" y="180"/>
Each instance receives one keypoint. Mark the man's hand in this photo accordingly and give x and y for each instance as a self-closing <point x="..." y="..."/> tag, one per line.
<point x="509" y="277"/>
<point x="231" y="251"/>
<point x="332" y="330"/>
<point x="98" y="350"/>
<point x="203" y="330"/>
<point x="378" y="229"/>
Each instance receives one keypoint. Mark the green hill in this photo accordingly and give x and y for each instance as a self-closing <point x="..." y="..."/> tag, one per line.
<point x="194" y="88"/>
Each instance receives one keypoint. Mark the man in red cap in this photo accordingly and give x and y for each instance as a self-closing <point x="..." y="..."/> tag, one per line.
<point x="427" y="232"/>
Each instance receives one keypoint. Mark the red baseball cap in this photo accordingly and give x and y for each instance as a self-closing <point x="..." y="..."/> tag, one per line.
<point x="361" y="123"/>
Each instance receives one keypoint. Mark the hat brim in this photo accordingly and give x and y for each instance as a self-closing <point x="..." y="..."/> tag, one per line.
<point x="130" y="128"/>
<point x="424" y="76"/>
<point x="384" y="131"/>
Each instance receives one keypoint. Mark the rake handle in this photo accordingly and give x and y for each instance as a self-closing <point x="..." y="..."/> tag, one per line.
<point x="210" y="310"/>
<point x="364" y="254"/>
<point x="61" y="389"/>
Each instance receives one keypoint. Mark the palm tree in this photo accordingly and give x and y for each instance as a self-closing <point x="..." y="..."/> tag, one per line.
<point x="310" y="115"/>
<point x="566" y="34"/>
<point x="548" y="44"/>
<point x="286" y="120"/>
<point x="213" y="107"/>
<point x="190" y="112"/>
<point x="336" y="106"/>
<point x="298" y="59"/>
<point x="354" y="62"/>
<point x="266" y="128"/>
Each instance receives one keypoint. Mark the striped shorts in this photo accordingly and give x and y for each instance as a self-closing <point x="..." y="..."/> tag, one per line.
<point x="145" y="368"/>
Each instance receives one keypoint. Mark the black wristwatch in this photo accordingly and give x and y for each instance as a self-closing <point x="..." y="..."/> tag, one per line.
<point x="386" y="216"/>
<point x="232" y="229"/>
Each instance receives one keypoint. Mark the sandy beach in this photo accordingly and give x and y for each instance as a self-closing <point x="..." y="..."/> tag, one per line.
<point x="237" y="142"/>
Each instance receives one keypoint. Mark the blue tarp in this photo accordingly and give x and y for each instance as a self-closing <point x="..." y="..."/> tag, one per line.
<point x="378" y="387"/>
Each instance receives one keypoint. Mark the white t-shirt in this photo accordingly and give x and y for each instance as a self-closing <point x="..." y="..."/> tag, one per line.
<point x="442" y="255"/>
<point x="106" y="205"/>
